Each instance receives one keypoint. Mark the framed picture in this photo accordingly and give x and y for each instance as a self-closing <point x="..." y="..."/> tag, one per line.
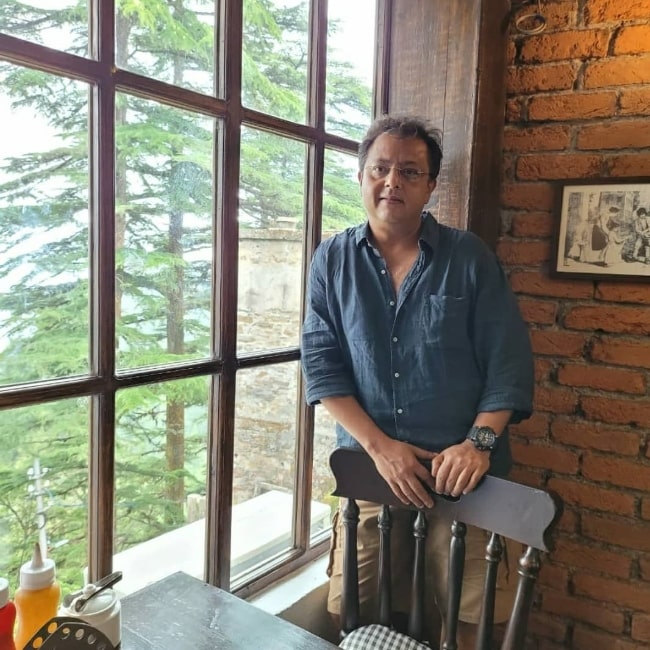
<point x="603" y="229"/>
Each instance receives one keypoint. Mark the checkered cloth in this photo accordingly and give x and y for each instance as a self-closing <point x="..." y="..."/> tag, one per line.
<point x="375" y="637"/>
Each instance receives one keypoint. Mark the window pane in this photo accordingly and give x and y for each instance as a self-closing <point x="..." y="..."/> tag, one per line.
<point x="270" y="240"/>
<point x="44" y="259"/>
<point x="164" y="205"/>
<point x="274" y="58"/>
<point x="322" y="479"/>
<point x="161" y="474"/>
<point x="342" y="206"/>
<point x="264" y="471"/>
<point x="44" y="488"/>
<point x="168" y="41"/>
<point x="59" y="24"/>
<point x="350" y="66"/>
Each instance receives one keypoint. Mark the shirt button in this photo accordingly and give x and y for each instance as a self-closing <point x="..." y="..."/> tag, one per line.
<point x="392" y="303"/>
<point x="400" y="411"/>
<point x="397" y="374"/>
<point x="383" y="271"/>
<point x="394" y="339"/>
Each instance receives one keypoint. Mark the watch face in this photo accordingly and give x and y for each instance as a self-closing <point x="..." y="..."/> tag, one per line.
<point x="483" y="438"/>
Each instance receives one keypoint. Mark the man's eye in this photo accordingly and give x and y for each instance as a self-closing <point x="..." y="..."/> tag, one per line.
<point x="380" y="169"/>
<point x="410" y="173"/>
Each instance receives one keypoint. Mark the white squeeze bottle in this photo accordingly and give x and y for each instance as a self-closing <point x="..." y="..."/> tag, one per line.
<point x="37" y="597"/>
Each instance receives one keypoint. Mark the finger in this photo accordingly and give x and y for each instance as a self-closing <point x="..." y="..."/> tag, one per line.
<point x="418" y="496"/>
<point x="425" y="476"/>
<point x="441" y="476"/>
<point x="462" y="483"/>
<point x="424" y="454"/>
<point x="398" y="492"/>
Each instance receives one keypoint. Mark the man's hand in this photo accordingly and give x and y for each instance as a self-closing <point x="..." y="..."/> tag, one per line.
<point x="458" y="469"/>
<point x="399" y="464"/>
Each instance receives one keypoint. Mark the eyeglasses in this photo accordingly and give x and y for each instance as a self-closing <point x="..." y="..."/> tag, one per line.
<point x="409" y="174"/>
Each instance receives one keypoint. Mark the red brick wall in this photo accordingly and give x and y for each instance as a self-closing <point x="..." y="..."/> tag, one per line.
<point x="579" y="106"/>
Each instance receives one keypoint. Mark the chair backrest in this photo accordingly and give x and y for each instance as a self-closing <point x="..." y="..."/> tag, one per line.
<point x="504" y="508"/>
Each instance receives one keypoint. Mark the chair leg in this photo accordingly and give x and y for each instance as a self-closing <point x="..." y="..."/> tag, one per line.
<point x="529" y="567"/>
<point x="350" y="581"/>
<point x="384" y="578"/>
<point x="416" y="617"/>
<point x="493" y="554"/>
<point x="455" y="583"/>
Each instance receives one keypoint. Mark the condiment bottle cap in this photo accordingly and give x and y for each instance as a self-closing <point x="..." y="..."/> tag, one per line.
<point x="38" y="573"/>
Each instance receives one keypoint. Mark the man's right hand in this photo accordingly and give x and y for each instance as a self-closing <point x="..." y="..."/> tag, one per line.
<point x="399" y="463"/>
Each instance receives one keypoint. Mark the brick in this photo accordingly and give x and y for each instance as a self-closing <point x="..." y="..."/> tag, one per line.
<point x="536" y="426"/>
<point x="585" y="611"/>
<point x="543" y="369"/>
<point x="553" y="166"/>
<point x="622" y="472"/>
<point x="633" y="39"/>
<point x="533" y="224"/>
<point x="574" y="44"/>
<point x="620" y="352"/>
<point x="538" y="311"/>
<point x="590" y="639"/>
<point x="527" y="476"/>
<point x="514" y="110"/>
<point x="590" y="435"/>
<point x="539" y="284"/>
<point x="554" y="576"/>
<point x="603" y="11"/>
<point x="558" y="343"/>
<point x="645" y="508"/>
<point x="536" y="138"/>
<point x="588" y="556"/>
<point x="632" y="292"/>
<point x="599" y="378"/>
<point x="633" y="412"/>
<point x="587" y="495"/>
<point x="555" y="400"/>
<point x="527" y="253"/>
<point x="529" y="79"/>
<point x="609" y="590"/>
<point x="635" y="101"/>
<point x="544" y="456"/>
<point x="622" y="134"/>
<point x="549" y="627"/>
<point x="528" y="196"/>
<point x="511" y="52"/>
<point x="619" y="71"/>
<point x="623" y="320"/>
<point x="640" y="627"/>
<point x="629" y="165"/>
<point x="644" y="566"/>
<point x="569" y="521"/>
<point x="573" y="106"/>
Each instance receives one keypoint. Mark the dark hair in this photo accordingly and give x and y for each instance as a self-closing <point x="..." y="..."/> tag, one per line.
<point x="405" y="127"/>
<point x="641" y="211"/>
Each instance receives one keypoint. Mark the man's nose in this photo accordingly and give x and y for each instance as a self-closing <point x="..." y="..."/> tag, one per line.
<point x="393" y="178"/>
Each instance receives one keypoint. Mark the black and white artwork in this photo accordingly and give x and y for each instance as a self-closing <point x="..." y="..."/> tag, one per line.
<point x="604" y="229"/>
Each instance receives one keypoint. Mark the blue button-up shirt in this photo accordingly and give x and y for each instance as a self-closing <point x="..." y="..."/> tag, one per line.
<point x="424" y="362"/>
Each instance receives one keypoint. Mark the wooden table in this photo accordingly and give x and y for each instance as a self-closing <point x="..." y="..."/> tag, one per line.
<point x="182" y="613"/>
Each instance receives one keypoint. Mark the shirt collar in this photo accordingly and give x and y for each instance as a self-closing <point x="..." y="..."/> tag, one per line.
<point x="428" y="234"/>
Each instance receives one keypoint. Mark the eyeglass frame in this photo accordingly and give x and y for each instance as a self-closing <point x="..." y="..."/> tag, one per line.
<point x="412" y="177"/>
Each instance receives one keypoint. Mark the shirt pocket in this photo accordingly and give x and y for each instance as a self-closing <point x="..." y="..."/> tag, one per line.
<point x="445" y="321"/>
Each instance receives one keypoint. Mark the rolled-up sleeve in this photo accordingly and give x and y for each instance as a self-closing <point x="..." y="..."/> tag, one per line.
<point x="502" y="343"/>
<point x="323" y="362"/>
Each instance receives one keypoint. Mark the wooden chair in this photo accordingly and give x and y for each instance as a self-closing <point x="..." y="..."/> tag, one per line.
<point x="504" y="508"/>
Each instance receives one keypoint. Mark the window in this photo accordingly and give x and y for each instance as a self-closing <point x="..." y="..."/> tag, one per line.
<point x="166" y="171"/>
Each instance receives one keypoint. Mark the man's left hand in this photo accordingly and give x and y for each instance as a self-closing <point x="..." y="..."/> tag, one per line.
<point x="458" y="469"/>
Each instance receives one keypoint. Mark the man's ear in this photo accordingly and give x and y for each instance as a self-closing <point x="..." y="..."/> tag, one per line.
<point x="359" y="177"/>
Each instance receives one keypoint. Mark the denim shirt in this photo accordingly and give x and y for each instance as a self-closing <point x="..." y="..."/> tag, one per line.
<point x="424" y="362"/>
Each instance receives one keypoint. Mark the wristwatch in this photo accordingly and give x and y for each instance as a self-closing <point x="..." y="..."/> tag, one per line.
<point x="483" y="438"/>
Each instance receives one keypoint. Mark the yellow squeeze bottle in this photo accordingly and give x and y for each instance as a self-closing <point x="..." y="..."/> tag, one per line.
<point x="37" y="597"/>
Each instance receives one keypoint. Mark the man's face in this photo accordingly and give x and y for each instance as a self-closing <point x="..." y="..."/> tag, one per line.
<point x="388" y="196"/>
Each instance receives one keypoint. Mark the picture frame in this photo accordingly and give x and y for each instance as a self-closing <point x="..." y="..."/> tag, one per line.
<point x="602" y="229"/>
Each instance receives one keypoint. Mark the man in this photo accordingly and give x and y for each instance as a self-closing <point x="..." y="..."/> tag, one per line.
<point x="414" y="343"/>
